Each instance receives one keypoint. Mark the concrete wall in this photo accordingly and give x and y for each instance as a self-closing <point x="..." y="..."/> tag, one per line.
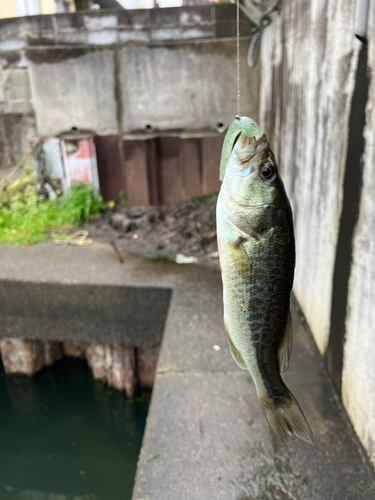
<point x="17" y="122"/>
<point x="165" y="71"/>
<point x="358" y="385"/>
<point x="115" y="72"/>
<point x="314" y="88"/>
<point x="307" y="87"/>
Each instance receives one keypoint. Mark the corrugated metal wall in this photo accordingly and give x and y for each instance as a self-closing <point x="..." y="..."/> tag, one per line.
<point x="162" y="170"/>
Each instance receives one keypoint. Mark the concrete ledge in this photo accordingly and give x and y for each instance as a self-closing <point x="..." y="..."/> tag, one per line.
<point x="206" y="437"/>
<point x="120" y="27"/>
<point x="126" y="316"/>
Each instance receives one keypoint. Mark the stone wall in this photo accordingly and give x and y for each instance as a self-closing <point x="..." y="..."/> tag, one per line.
<point x="317" y="106"/>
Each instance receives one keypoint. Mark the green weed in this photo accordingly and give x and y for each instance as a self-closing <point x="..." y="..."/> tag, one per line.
<point x="26" y="218"/>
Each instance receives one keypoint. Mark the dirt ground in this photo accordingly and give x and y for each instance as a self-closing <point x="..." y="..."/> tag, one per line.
<point x="184" y="233"/>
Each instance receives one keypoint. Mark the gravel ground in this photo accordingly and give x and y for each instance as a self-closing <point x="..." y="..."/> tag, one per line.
<point x="184" y="233"/>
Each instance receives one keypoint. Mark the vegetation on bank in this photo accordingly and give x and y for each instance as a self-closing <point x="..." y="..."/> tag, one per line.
<point x="28" y="217"/>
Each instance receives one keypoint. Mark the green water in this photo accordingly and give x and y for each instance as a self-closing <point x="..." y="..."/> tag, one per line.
<point x="65" y="437"/>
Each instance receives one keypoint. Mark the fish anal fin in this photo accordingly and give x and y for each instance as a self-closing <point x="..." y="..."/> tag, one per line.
<point x="285" y="347"/>
<point x="235" y="352"/>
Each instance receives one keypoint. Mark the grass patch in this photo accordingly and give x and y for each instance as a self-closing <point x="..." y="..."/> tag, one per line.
<point x="25" y="217"/>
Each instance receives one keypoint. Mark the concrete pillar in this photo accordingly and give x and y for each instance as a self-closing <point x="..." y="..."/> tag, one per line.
<point x="22" y="356"/>
<point x="115" y="365"/>
<point x="52" y="352"/>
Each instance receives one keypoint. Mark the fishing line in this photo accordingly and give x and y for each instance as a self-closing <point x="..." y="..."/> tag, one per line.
<point x="238" y="61"/>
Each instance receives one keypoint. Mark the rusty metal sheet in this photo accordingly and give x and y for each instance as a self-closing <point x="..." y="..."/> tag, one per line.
<point x="211" y="152"/>
<point x="110" y="161"/>
<point x="168" y="151"/>
<point x="136" y="169"/>
<point x="153" y="172"/>
<point x="164" y="170"/>
<point x="191" y="168"/>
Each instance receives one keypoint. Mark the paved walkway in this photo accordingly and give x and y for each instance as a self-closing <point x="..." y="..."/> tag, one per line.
<point x="206" y="437"/>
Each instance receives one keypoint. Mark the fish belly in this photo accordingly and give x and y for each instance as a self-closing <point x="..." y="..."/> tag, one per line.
<point x="236" y="276"/>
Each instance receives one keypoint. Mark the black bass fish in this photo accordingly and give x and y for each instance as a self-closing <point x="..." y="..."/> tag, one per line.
<point x="257" y="258"/>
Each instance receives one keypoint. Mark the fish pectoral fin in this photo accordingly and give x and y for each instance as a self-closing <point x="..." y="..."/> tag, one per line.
<point x="235" y="352"/>
<point x="237" y="242"/>
<point x="285" y="347"/>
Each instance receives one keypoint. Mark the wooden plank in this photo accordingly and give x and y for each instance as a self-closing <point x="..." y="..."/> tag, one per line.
<point x="136" y="170"/>
<point x="168" y="152"/>
<point x="191" y="168"/>
<point x="110" y="161"/>
<point x="211" y="153"/>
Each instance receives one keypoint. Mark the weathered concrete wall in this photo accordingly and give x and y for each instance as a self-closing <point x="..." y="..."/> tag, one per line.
<point x="116" y="72"/>
<point x="173" y="87"/>
<point x="123" y="73"/>
<point x="17" y="123"/>
<point x="15" y="91"/>
<point x="358" y="387"/>
<point x="309" y="56"/>
<point x="17" y="131"/>
<point x="318" y="106"/>
<point x="73" y="88"/>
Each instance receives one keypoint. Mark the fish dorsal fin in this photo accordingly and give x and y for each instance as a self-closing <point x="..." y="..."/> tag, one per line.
<point x="285" y="347"/>
<point x="235" y="352"/>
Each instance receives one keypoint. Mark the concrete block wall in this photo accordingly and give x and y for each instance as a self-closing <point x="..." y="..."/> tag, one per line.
<point x="129" y="73"/>
<point x="15" y="93"/>
<point x="115" y="27"/>
<point x="317" y="106"/>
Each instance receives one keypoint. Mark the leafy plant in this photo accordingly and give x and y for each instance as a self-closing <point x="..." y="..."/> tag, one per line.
<point x="25" y="217"/>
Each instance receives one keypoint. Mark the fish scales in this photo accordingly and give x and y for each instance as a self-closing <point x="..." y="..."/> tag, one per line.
<point x="257" y="259"/>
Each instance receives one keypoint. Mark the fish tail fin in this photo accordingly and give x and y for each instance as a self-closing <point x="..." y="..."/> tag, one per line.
<point x="286" y="417"/>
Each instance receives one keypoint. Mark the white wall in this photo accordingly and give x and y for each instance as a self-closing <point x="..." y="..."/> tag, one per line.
<point x="359" y="356"/>
<point x="309" y="57"/>
<point x="309" y="62"/>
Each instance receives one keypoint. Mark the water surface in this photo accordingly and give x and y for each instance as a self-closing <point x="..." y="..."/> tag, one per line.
<point x="64" y="436"/>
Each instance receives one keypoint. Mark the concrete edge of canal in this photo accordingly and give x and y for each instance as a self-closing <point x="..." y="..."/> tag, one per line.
<point x="205" y="436"/>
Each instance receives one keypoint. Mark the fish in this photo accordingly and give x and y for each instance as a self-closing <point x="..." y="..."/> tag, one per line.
<point x="257" y="258"/>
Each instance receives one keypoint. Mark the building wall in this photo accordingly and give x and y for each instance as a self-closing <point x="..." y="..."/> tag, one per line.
<point x="317" y="106"/>
<point x="49" y="6"/>
<point x="359" y="363"/>
<point x="8" y="8"/>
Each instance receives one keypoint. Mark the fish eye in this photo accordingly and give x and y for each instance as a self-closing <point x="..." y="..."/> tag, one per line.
<point x="267" y="171"/>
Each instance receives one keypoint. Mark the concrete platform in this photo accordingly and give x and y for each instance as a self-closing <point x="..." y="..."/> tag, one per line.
<point x="206" y="437"/>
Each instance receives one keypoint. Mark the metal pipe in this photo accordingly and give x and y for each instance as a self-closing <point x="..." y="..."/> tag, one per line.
<point x="361" y="15"/>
